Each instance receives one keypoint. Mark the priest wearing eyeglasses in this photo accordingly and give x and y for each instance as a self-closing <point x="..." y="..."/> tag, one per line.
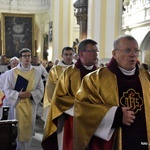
<point x="24" y="89"/>
<point x="58" y="132"/>
<point x="112" y="104"/>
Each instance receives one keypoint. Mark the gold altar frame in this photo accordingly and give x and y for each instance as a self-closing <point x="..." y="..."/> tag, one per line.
<point x="17" y="33"/>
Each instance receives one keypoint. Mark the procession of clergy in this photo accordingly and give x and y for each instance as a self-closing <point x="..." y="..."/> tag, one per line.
<point x="85" y="106"/>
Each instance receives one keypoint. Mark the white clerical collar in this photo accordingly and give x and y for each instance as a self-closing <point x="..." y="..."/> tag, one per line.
<point x="20" y="66"/>
<point x="88" y="67"/>
<point x="60" y="63"/>
<point x="25" y="67"/>
<point x="127" y="72"/>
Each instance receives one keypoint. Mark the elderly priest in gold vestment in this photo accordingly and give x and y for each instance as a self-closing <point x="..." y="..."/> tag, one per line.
<point x="112" y="107"/>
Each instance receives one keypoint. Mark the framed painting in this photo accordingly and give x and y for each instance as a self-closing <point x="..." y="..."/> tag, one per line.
<point x="17" y="33"/>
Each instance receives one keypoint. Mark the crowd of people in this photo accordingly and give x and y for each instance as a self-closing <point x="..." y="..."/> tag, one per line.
<point x="86" y="105"/>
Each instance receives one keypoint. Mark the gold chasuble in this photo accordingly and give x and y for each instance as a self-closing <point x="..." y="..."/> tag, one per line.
<point x="24" y="107"/>
<point x="54" y="74"/>
<point x="63" y="100"/>
<point x="97" y="94"/>
<point x="51" y="82"/>
<point x="68" y="101"/>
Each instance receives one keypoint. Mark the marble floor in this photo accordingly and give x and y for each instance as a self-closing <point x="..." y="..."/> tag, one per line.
<point x="37" y="137"/>
<point x="39" y="126"/>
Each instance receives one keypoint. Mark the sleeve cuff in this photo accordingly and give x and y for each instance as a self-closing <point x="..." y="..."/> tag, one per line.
<point x="118" y="118"/>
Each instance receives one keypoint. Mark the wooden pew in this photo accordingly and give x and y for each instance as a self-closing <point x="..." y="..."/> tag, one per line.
<point x="8" y="134"/>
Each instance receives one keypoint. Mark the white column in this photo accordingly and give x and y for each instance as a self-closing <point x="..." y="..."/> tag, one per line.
<point x="56" y="24"/>
<point x="62" y="18"/>
<point x="104" y="24"/>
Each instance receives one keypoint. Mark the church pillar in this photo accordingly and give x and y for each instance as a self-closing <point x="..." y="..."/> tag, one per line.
<point x="62" y="29"/>
<point x="104" y="24"/>
<point x="81" y="13"/>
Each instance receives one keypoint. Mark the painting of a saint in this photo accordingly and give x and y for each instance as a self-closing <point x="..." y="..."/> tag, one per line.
<point x="18" y="34"/>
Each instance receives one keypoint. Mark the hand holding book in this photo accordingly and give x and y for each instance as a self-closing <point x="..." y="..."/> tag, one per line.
<point x="24" y="94"/>
<point x="21" y="84"/>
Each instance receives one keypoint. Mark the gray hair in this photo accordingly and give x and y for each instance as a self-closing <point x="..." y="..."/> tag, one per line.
<point x="14" y="58"/>
<point x="128" y="37"/>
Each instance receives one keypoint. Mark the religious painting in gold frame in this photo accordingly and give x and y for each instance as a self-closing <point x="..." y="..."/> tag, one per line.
<point x="17" y="33"/>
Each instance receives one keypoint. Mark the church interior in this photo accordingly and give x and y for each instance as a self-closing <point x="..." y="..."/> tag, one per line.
<point x="46" y="26"/>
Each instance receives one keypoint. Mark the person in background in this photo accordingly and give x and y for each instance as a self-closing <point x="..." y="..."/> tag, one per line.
<point x="36" y="64"/>
<point x="24" y="90"/>
<point x="44" y="63"/>
<point x="14" y="61"/>
<point x="58" y="132"/>
<point x="56" y="62"/>
<point x="101" y="65"/>
<point x="97" y="63"/>
<point x="4" y="60"/>
<point x="144" y="66"/>
<point x="49" y="66"/>
<point x="119" y="99"/>
<point x="4" y="65"/>
<point x="54" y="74"/>
<point x="75" y="57"/>
<point x="44" y="75"/>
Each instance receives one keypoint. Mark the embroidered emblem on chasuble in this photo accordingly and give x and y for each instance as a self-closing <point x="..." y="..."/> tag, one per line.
<point x="132" y="99"/>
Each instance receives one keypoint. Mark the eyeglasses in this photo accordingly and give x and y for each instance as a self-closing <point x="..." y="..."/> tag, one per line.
<point x="25" y="56"/>
<point x="68" y="54"/>
<point x="91" y="51"/>
<point x="129" y="50"/>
